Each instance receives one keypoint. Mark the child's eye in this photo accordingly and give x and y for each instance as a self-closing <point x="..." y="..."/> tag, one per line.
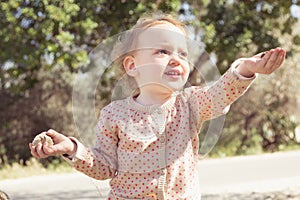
<point x="163" y="51"/>
<point x="183" y="54"/>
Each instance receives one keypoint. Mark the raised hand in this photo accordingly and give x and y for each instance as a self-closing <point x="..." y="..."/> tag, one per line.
<point x="262" y="63"/>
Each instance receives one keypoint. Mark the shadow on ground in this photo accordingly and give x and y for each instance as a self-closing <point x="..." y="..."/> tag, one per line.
<point x="291" y="194"/>
<point x="60" y="195"/>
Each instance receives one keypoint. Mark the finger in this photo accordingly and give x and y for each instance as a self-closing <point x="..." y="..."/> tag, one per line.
<point x="266" y="57"/>
<point x="48" y="150"/>
<point x="270" y="64"/>
<point x="52" y="133"/>
<point x="40" y="152"/>
<point x="278" y="59"/>
<point x="33" y="150"/>
<point x="282" y="56"/>
<point x="262" y="63"/>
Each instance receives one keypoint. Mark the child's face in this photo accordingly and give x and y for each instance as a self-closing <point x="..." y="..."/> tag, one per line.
<point x="161" y="58"/>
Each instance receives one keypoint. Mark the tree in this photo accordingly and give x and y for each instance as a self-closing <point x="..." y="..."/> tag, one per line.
<point x="235" y="29"/>
<point x="45" y="42"/>
<point x="265" y="118"/>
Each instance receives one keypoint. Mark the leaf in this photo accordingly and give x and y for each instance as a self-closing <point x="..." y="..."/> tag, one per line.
<point x="296" y="40"/>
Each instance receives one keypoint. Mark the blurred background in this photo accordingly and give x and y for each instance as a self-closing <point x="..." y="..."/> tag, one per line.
<point x="45" y="43"/>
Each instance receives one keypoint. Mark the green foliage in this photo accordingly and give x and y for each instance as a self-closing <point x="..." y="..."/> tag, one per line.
<point x="45" y="42"/>
<point x="242" y="28"/>
<point x="44" y="45"/>
<point x="264" y="119"/>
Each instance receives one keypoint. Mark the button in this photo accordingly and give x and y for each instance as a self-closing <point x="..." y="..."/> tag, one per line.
<point x="162" y="139"/>
<point x="159" y="112"/>
<point x="163" y="171"/>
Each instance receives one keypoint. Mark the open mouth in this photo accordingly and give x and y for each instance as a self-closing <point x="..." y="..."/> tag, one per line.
<point x="173" y="73"/>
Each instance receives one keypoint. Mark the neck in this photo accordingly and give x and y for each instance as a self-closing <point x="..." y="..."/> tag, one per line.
<point x="150" y="98"/>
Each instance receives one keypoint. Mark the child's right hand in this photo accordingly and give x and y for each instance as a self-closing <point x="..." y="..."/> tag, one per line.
<point x="62" y="145"/>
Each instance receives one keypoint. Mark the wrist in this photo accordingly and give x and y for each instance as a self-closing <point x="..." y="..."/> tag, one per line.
<point x="244" y="71"/>
<point x="73" y="148"/>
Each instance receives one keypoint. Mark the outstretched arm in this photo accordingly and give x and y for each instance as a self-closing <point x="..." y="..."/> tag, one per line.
<point x="213" y="101"/>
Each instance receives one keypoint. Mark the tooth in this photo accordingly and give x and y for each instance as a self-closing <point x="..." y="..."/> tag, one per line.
<point x="173" y="73"/>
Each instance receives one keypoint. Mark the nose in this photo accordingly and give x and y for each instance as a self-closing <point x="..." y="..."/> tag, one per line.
<point x="174" y="60"/>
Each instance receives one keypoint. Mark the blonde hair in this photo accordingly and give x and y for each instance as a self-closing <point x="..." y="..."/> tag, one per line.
<point x="126" y="43"/>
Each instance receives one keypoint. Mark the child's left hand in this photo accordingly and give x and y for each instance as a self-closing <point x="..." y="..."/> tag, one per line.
<point x="262" y="63"/>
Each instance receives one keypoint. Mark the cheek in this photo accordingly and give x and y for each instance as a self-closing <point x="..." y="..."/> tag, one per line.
<point x="157" y="62"/>
<point x="158" y="65"/>
<point x="161" y="61"/>
<point x="157" y="69"/>
<point x="152" y="70"/>
<point x="187" y="68"/>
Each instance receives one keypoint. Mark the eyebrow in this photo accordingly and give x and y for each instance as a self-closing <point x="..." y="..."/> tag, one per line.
<point x="168" y="46"/>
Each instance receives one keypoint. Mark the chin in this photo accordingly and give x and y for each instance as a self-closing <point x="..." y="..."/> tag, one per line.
<point x="175" y="86"/>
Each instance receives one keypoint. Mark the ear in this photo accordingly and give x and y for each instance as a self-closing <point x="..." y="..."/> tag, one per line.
<point x="129" y="66"/>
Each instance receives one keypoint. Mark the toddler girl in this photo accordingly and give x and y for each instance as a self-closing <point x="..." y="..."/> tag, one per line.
<point x="147" y="144"/>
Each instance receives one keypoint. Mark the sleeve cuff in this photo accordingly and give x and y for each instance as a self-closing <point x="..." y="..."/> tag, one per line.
<point x="79" y="154"/>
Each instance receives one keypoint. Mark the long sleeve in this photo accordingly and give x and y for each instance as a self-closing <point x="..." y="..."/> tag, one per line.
<point x="212" y="101"/>
<point x="99" y="162"/>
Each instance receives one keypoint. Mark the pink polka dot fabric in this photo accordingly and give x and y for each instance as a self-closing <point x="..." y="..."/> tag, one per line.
<point x="150" y="152"/>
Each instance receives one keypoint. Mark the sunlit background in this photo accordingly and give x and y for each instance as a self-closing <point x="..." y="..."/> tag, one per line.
<point x="45" y="44"/>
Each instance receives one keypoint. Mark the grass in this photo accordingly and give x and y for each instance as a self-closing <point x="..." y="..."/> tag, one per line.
<point x="32" y="168"/>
